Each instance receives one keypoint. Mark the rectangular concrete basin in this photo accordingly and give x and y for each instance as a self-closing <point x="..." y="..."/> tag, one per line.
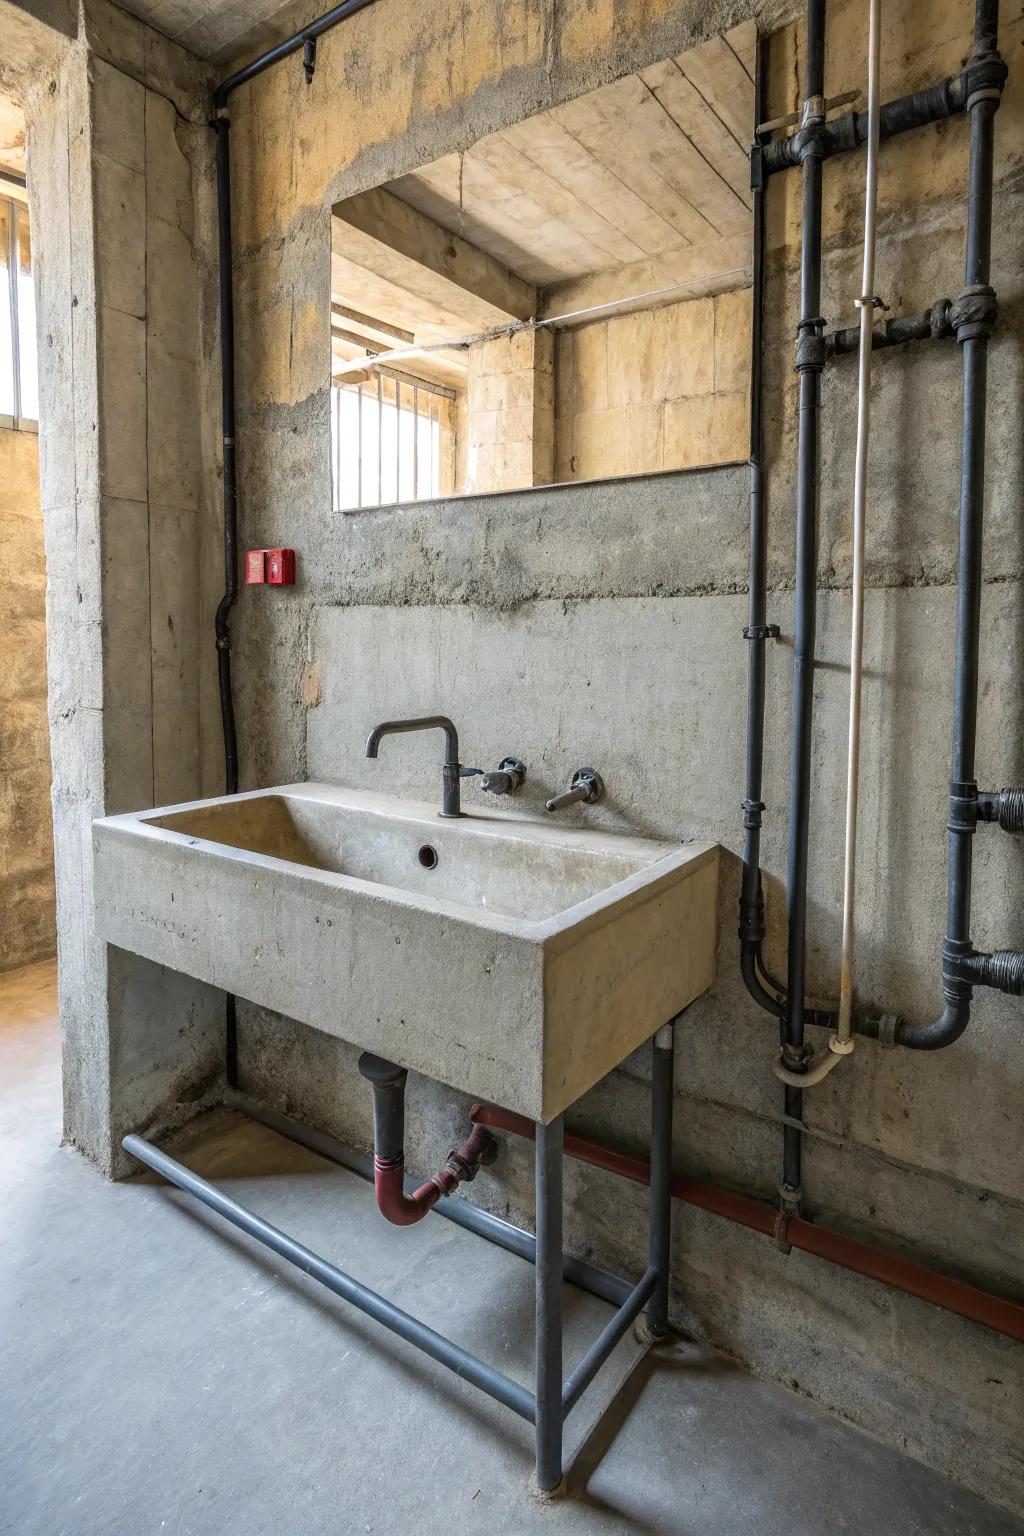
<point x="518" y="960"/>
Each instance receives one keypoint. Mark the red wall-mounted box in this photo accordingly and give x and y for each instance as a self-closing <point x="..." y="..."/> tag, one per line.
<point x="270" y="567"/>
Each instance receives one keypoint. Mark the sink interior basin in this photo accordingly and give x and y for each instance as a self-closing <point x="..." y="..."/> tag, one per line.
<point x="506" y="865"/>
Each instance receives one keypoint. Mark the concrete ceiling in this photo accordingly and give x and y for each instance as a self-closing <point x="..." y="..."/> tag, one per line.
<point x="637" y="170"/>
<point x="637" y="188"/>
<point x="215" y="29"/>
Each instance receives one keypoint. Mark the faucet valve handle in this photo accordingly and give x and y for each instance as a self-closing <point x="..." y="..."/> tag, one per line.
<point x="586" y="788"/>
<point x="507" y="780"/>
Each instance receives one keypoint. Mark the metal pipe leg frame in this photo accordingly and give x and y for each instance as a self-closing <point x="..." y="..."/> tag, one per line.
<point x="548" y="1319"/>
<point x="660" y="1218"/>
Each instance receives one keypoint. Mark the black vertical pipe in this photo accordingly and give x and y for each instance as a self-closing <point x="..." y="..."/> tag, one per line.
<point x="548" y="1314"/>
<point x="222" y="620"/>
<point x="973" y="317"/>
<point x="230" y="489"/>
<point x="809" y="364"/>
<point x="225" y="274"/>
<point x="660" y="1216"/>
<point x="757" y="630"/>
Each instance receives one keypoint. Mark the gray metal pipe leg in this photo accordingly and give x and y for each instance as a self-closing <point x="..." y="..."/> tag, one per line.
<point x="548" y="1322"/>
<point x="660" y="1231"/>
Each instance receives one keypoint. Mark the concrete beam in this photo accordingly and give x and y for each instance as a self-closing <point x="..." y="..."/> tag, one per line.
<point x="396" y="243"/>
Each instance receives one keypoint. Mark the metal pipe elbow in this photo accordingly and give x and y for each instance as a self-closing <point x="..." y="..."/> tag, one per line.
<point x="394" y="1204"/>
<point x="938" y="1033"/>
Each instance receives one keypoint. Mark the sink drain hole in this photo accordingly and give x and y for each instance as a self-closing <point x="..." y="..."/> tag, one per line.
<point x="427" y="856"/>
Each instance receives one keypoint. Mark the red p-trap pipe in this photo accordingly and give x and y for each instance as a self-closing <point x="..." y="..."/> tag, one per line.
<point x="405" y="1210"/>
<point x="1006" y="1317"/>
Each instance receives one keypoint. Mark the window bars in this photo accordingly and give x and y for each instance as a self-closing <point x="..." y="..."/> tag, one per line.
<point x="386" y="439"/>
<point x="19" y="388"/>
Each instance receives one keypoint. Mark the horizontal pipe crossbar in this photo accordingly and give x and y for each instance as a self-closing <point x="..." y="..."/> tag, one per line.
<point x="409" y="1328"/>
<point x="968" y="1301"/>
<point x="590" y="1363"/>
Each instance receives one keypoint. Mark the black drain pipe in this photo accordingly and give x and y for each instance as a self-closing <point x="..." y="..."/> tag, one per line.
<point x="973" y="318"/>
<point x="305" y="39"/>
<point x="810" y="362"/>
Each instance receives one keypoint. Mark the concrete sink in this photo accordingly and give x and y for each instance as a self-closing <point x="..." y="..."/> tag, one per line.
<point x="518" y="960"/>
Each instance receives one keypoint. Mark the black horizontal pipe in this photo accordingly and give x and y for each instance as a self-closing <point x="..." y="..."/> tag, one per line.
<point x="895" y="330"/>
<point x="916" y="110"/>
<point x="444" y="1351"/>
<point x="293" y="44"/>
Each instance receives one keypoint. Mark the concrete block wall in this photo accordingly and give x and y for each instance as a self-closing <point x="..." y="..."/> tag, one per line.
<point x="28" y="920"/>
<point x="604" y="623"/>
<point x="657" y="389"/>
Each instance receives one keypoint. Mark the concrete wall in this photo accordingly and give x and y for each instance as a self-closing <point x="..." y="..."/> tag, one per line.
<point x="607" y="623"/>
<point x="27" y="918"/>
<point x="118" y="156"/>
<point x="658" y="389"/>
<point x="611" y="620"/>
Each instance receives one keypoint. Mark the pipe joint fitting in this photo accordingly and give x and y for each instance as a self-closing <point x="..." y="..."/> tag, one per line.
<point x="752" y="922"/>
<point x="975" y="312"/>
<point x="938" y="318"/>
<point x="796" y="1057"/>
<point x="752" y="815"/>
<point x="957" y="955"/>
<point x="984" y="77"/>
<point x="811" y="347"/>
<point x="963" y="807"/>
<point x="1006" y="806"/>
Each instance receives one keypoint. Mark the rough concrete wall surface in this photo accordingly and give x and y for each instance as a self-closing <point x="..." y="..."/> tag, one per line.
<point x="659" y="389"/>
<point x="28" y="924"/>
<point x="604" y="624"/>
<point x="116" y="170"/>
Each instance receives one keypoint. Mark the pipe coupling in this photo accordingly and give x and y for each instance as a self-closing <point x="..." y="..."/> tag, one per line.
<point x="975" y="312"/>
<point x="1006" y="806"/>
<point x="963" y="806"/>
<point x="984" y="77"/>
<point x="811" y="347"/>
<point x="938" y="318"/>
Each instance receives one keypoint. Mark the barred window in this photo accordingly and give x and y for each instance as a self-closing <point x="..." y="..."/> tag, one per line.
<point x="19" y="387"/>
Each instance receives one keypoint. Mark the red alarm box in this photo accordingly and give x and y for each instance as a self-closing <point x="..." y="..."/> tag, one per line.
<point x="270" y="567"/>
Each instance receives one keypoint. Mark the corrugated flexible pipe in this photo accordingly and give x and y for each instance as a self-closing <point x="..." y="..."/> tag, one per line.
<point x="840" y="1042"/>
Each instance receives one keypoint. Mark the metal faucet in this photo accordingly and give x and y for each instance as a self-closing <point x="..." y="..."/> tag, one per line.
<point x="452" y="772"/>
<point x="587" y="786"/>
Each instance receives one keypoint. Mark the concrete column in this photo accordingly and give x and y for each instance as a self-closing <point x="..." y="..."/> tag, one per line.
<point x="511" y="412"/>
<point x="113" y="171"/>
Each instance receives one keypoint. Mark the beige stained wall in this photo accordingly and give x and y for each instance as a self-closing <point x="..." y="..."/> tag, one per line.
<point x="654" y="390"/>
<point x="27" y="915"/>
<point x="509" y="412"/>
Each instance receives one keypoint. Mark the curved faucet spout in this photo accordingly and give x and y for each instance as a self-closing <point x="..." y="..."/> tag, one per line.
<point x="450" y="805"/>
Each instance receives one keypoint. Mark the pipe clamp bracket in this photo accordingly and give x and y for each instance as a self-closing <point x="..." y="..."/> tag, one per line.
<point x="761" y="632"/>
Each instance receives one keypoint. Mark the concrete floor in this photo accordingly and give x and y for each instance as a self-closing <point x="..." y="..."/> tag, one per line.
<point x="162" y="1375"/>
